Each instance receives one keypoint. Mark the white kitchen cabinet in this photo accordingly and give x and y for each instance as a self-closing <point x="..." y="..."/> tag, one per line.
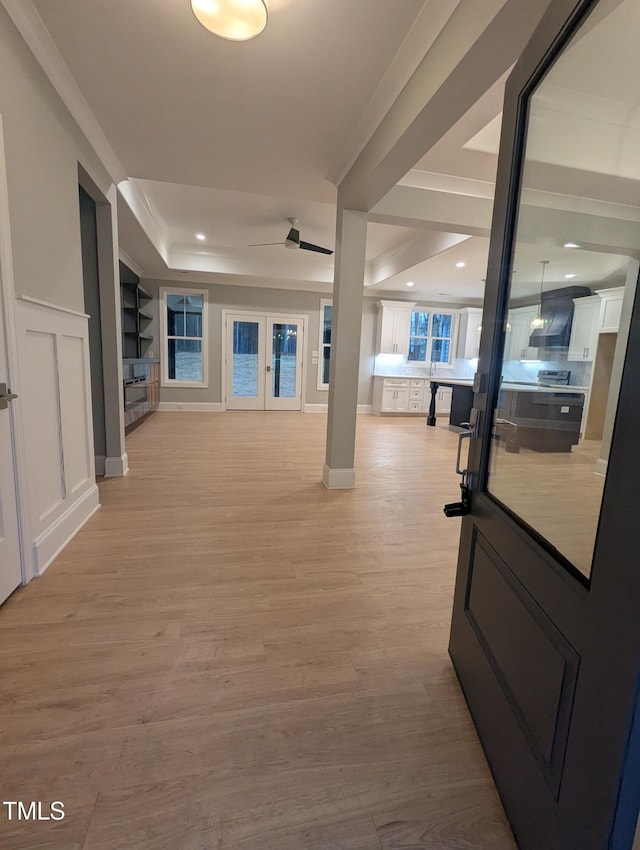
<point x="584" y="329"/>
<point x="610" y="309"/>
<point x="443" y="401"/>
<point x="394" y="323"/>
<point x="469" y="332"/>
<point x="391" y="395"/>
<point x="517" y="341"/>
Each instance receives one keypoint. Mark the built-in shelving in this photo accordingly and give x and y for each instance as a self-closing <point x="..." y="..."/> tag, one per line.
<point x="136" y="340"/>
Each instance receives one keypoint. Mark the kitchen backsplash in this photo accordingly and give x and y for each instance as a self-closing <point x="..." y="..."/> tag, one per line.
<point x="396" y="365"/>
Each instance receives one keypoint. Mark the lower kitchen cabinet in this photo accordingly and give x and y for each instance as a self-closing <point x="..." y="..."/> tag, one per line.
<point x="408" y="395"/>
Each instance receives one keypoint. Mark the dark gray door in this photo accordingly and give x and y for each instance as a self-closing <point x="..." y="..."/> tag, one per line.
<point x="545" y="635"/>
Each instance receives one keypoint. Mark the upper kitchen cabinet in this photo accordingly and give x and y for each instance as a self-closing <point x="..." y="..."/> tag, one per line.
<point x="394" y="321"/>
<point x="610" y="309"/>
<point x="584" y="330"/>
<point x="469" y="333"/>
<point x="519" y="332"/>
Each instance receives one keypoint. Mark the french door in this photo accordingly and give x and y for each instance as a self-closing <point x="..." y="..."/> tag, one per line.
<point x="264" y="362"/>
<point x="545" y="634"/>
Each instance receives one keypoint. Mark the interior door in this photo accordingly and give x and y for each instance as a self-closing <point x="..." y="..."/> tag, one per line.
<point x="10" y="571"/>
<point x="264" y="362"/>
<point x="545" y="634"/>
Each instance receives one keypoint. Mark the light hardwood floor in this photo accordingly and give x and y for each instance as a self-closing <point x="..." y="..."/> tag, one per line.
<point x="229" y="656"/>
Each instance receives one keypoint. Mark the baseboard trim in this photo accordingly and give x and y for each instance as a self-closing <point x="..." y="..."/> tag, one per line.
<point x="48" y="545"/>
<point x="190" y="406"/>
<point x="338" y="479"/>
<point x="601" y="467"/>
<point x="115" y="467"/>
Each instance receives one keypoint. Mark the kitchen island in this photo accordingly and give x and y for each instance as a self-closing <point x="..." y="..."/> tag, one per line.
<point x="533" y="416"/>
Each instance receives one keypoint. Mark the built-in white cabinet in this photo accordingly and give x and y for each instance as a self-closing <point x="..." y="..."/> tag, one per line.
<point x="443" y="400"/>
<point x="585" y="327"/>
<point x="469" y="332"/>
<point x="394" y="323"/>
<point x="518" y="332"/>
<point x="610" y="309"/>
<point x="408" y="395"/>
<point x="391" y="395"/>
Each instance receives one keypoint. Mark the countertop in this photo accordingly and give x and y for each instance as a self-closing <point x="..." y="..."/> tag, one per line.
<point x="513" y="387"/>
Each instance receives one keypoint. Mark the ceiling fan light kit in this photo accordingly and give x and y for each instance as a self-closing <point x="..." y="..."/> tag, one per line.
<point x="235" y="20"/>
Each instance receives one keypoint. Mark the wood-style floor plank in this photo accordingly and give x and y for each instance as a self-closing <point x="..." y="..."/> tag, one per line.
<point x="230" y="656"/>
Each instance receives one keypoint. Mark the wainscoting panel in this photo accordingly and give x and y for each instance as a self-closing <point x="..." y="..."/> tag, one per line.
<point x="53" y="351"/>
<point x="76" y="422"/>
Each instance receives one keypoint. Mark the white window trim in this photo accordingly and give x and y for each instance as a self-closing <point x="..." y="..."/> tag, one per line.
<point x="431" y="309"/>
<point x="324" y="302"/>
<point x="165" y="381"/>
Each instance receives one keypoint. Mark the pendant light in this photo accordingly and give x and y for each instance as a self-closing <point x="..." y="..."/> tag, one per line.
<point x="236" y="20"/>
<point x="538" y="322"/>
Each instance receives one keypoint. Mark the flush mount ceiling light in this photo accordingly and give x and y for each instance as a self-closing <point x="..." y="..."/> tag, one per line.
<point x="236" y="20"/>
<point x="538" y="322"/>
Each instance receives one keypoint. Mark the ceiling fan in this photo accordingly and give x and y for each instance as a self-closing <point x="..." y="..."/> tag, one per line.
<point x="293" y="240"/>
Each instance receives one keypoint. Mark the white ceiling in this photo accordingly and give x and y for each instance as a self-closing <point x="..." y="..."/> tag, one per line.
<point x="231" y="139"/>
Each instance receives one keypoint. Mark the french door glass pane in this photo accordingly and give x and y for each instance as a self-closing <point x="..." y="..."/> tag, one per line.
<point x="185" y="359"/>
<point x="326" y="327"/>
<point x="283" y="360"/>
<point x="555" y="411"/>
<point x="245" y="359"/>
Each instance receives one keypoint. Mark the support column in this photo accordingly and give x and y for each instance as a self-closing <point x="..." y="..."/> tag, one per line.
<point x="351" y="241"/>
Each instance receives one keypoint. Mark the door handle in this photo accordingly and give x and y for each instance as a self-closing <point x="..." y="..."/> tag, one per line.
<point x="6" y="396"/>
<point x="268" y="368"/>
<point x="463" y="507"/>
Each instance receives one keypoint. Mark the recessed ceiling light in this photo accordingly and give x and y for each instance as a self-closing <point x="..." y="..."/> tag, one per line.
<point x="569" y="276"/>
<point x="410" y="283"/>
<point x="460" y="265"/>
<point x="200" y="236"/>
<point x="444" y="293"/>
<point x="571" y="245"/>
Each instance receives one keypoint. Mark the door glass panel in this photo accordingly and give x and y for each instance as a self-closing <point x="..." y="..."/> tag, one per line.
<point x="283" y="360"/>
<point x="577" y="227"/>
<point x="245" y="359"/>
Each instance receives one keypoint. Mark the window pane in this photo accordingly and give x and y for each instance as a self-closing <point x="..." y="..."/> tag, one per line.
<point x="193" y="315"/>
<point x="283" y="361"/>
<point x="326" y="357"/>
<point x="245" y="359"/>
<point x="185" y="359"/>
<point x="326" y="331"/>
<point x="441" y="324"/>
<point x="175" y="315"/>
<point x="419" y="323"/>
<point x="440" y="350"/>
<point x="417" y="349"/>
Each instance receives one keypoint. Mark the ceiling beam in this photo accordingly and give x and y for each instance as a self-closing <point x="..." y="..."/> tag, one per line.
<point x="408" y="254"/>
<point x="479" y="42"/>
<point x="430" y="209"/>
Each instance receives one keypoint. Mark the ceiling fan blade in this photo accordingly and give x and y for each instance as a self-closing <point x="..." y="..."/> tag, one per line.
<point x="260" y="244"/>
<point x="307" y="246"/>
<point x="293" y="236"/>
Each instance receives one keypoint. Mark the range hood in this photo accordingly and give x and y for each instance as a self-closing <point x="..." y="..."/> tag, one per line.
<point x="557" y="315"/>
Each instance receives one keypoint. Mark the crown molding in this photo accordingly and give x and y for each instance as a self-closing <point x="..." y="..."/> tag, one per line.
<point x="36" y="36"/>
<point x="131" y="264"/>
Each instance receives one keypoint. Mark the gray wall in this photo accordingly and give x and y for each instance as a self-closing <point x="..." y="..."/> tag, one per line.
<point x="43" y="148"/>
<point x="270" y="301"/>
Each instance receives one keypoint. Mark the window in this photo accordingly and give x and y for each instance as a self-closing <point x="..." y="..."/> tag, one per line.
<point x="324" y="347"/>
<point x="430" y="337"/>
<point x="184" y="338"/>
